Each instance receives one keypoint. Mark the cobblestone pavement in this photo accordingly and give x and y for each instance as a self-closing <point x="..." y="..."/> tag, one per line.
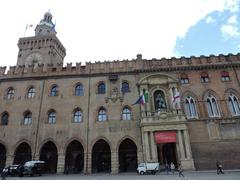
<point x="207" y="175"/>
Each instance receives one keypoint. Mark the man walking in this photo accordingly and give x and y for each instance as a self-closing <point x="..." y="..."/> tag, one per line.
<point x="219" y="167"/>
<point x="180" y="171"/>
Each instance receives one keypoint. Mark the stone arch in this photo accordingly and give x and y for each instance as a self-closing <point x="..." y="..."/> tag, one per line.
<point x="231" y="90"/>
<point x="3" y="155"/>
<point x="101" y="156"/>
<point x="210" y="91"/>
<point x="127" y="155"/>
<point x="23" y="153"/>
<point x="74" y="157"/>
<point x="49" y="154"/>
<point x="170" y="77"/>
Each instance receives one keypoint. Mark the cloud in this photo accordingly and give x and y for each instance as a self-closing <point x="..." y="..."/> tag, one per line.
<point x="210" y="20"/>
<point x="232" y="19"/>
<point x="232" y="5"/>
<point x="230" y="31"/>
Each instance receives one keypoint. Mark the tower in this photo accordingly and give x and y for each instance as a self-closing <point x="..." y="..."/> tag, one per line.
<point x="43" y="48"/>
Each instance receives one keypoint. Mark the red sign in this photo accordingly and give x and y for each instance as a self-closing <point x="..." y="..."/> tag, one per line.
<point x="165" y="137"/>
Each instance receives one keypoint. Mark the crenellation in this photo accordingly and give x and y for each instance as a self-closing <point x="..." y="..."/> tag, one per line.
<point x="2" y="70"/>
<point x="19" y="70"/>
<point x="11" y="70"/>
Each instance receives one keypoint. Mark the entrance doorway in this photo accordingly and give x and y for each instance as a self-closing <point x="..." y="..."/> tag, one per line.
<point x="127" y="156"/>
<point x="2" y="157"/>
<point x="101" y="157"/>
<point x="22" y="154"/>
<point x="74" y="158"/>
<point x="49" y="154"/>
<point x="167" y="153"/>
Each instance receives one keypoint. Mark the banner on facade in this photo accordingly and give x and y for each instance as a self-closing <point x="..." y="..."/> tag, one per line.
<point x="165" y="137"/>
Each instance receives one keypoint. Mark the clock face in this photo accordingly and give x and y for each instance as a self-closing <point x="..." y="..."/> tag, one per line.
<point x="33" y="59"/>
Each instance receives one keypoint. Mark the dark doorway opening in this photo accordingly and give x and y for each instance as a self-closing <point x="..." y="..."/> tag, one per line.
<point x="2" y="157"/>
<point x="167" y="153"/>
<point x="74" y="158"/>
<point x="49" y="154"/>
<point x="127" y="156"/>
<point x="22" y="154"/>
<point x="101" y="157"/>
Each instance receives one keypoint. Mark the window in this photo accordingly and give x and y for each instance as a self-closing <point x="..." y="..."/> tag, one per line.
<point x="125" y="87"/>
<point x="225" y="76"/>
<point x="54" y="91"/>
<point x="233" y="104"/>
<point x="10" y="93"/>
<point x="52" y="117"/>
<point x="184" y="79"/>
<point x="102" y="115"/>
<point x="4" y="119"/>
<point x="31" y="92"/>
<point x="27" y="118"/>
<point x="212" y="106"/>
<point x="79" y="90"/>
<point x="126" y="114"/>
<point x="204" y="77"/>
<point x="190" y="107"/>
<point x="77" y="116"/>
<point x="101" y="88"/>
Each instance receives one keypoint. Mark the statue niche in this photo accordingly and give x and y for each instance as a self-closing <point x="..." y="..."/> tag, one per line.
<point x="159" y="100"/>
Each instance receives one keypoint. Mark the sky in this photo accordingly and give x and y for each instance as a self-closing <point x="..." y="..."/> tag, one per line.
<point x="99" y="30"/>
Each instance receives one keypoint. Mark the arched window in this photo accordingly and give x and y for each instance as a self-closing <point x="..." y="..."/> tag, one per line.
<point x="10" y="93"/>
<point x="27" y="118"/>
<point x="77" y="116"/>
<point x="79" y="90"/>
<point x="101" y="88"/>
<point x="4" y="119"/>
<point x="159" y="100"/>
<point x="52" y="117"/>
<point x="184" y="79"/>
<point x="204" y="77"/>
<point x="31" y="92"/>
<point x="225" y="76"/>
<point x="54" y="91"/>
<point x="126" y="114"/>
<point x="190" y="107"/>
<point x="233" y="104"/>
<point x="102" y="114"/>
<point x="212" y="106"/>
<point x="125" y="87"/>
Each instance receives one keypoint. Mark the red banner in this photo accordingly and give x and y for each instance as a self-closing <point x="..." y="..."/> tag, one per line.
<point x="165" y="137"/>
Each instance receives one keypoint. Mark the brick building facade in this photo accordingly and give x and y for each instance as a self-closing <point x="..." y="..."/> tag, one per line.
<point x="82" y="118"/>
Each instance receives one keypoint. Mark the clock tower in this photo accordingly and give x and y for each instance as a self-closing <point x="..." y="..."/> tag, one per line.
<point x="43" y="48"/>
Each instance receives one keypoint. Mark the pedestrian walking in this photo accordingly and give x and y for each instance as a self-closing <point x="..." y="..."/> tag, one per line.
<point x="4" y="174"/>
<point x="172" y="167"/>
<point x="167" y="168"/>
<point x="219" y="167"/>
<point x="180" y="171"/>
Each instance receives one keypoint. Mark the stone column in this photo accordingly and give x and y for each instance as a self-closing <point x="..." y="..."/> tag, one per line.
<point x="181" y="149"/>
<point x="114" y="163"/>
<point x="9" y="160"/>
<point x="187" y="144"/>
<point x="153" y="148"/>
<point x="60" y="163"/>
<point x="88" y="163"/>
<point x="146" y="147"/>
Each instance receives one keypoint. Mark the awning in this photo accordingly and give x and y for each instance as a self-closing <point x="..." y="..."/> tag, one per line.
<point x="165" y="137"/>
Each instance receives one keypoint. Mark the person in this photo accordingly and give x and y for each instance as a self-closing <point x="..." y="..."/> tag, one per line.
<point x="172" y="167"/>
<point x="4" y="174"/>
<point x="167" y="168"/>
<point x="180" y="170"/>
<point x="219" y="167"/>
